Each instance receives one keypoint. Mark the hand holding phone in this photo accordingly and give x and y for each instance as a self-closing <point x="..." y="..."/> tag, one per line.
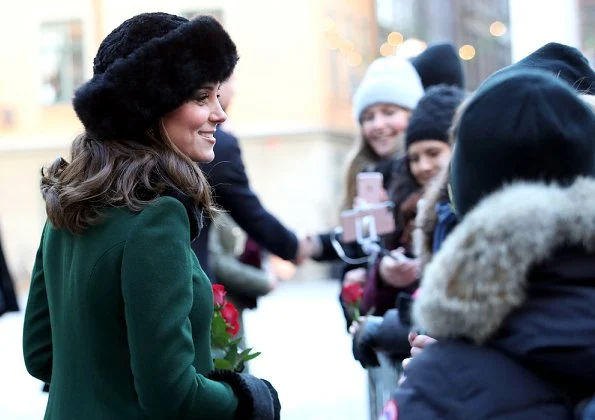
<point x="357" y="221"/>
<point x="400" y="272"/>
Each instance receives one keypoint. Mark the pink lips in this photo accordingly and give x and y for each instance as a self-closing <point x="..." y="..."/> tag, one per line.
<point x="208" y="136"/>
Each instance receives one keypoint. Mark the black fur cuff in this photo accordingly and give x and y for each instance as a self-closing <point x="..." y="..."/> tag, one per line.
<point x="255" y="401"/>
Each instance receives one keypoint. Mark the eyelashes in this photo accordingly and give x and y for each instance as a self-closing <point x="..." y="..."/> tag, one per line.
<point x="203" y="97"/>
<point x="200" y="98"/>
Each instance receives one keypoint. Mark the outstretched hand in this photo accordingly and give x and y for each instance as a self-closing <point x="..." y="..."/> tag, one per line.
<point x="306" y="249"/>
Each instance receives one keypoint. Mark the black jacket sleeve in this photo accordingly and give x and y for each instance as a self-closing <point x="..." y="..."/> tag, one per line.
<point x="328" y="252"/>
<point x="227" y="177"/>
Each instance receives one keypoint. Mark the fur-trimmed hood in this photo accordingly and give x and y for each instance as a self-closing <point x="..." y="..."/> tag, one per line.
<point x="427" y="218"/>
<point x="480" y="275"/>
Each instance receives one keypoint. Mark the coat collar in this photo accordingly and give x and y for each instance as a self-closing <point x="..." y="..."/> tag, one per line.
<point x="480" y="274"/>
<point x="195" y="215"/>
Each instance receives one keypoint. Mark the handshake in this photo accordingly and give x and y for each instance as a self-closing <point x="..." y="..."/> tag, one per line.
<point x="309" y="246"/>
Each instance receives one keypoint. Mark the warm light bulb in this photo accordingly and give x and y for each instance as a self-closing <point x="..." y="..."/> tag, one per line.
<point x="386" y="49"/>
<point x="497" y="28"/>
<point x="346" y="47"/>
<point x="467" y="52"/>
<point x="395" y="38"/>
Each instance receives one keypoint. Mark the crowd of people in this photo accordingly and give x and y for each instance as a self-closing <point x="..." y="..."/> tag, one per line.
<point x="498" y="265"/>
<point x="483" y="291"/>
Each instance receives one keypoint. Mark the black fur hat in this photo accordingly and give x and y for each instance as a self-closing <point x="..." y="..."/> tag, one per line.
<point x="149" y="65"/>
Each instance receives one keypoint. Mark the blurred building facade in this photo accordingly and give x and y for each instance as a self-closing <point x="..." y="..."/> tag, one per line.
<point x="489" y="34"/>
<point x="299" y="63"/>
<point x="477" y="28"/>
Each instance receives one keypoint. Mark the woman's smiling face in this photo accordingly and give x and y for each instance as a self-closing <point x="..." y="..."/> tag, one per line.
<point x="191" y="126"/>
<point x="384" y="127"/>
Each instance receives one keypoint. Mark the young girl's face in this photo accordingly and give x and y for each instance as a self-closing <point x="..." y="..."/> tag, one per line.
<point x="192" y="125"/>
<point x="427" y="158"/>
<point x="383" y="127"/>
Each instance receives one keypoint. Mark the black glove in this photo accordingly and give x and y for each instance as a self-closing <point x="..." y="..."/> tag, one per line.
<point x="257" y="399"/>
<point x="392" y="337"/>
<point x="276" y="402"/>
<point x="364" y="342"/>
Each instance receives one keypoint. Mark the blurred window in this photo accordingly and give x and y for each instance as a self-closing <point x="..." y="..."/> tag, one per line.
<point x="61" y="60"/>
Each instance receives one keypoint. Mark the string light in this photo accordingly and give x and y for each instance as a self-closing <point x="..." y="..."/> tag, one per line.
<point x="333" y="40"/>
<point x="395" y="38"/>
<point x="347" y="47"/>
<point x="467" y="52"/>
<point x="386" y="49"/>
<point x="497" y="28"/>
<point x="354" y="59"/>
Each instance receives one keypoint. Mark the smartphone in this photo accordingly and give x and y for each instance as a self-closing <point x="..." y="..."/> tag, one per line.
<point x="369" y="187"/>
<point x="376" y="219"/>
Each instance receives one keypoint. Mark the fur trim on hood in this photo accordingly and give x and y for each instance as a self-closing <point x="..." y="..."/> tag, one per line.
<point x="427" y="218"/>
<point x="479" y="276"/>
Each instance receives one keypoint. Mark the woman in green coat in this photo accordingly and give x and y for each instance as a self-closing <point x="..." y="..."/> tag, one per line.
<point x="119" y="310"/>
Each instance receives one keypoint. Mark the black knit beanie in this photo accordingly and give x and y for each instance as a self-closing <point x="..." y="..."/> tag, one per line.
<point x="439" y="64"/>
<point x="433" y="115"/>
<point x="521" y="125"/>
<point x="149" y="65"/>
<point x="565" y="62"/>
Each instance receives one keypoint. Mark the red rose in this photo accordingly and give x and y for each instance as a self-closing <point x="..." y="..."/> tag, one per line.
<point x="219" y="295"/>
<point x="352" y="293"/>
<point x="231" y="316"/>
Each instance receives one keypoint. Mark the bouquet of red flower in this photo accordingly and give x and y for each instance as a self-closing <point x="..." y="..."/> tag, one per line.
<point x="352" y="295"/>
<point x="224" y="329"/>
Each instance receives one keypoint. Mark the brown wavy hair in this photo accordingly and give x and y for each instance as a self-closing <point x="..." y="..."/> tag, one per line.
<point x="114" y="173"/>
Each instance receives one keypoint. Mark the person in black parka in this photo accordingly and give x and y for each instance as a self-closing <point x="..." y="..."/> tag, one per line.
<point x="510" y="296"/>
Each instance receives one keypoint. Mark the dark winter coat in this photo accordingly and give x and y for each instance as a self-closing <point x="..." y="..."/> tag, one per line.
<point x="231" y="190"/>
<point x="511" y="298"/>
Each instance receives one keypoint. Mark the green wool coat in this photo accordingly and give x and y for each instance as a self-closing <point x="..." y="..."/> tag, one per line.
<point x="118" y="321"/>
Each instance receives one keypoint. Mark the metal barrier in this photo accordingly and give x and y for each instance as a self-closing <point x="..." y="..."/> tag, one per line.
<point x="382" y="381"/>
